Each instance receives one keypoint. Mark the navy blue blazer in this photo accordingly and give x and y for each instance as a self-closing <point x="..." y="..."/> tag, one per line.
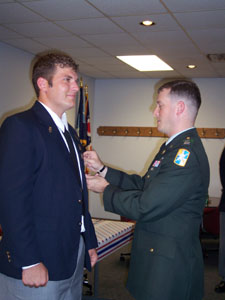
<point x="40" y="207"/>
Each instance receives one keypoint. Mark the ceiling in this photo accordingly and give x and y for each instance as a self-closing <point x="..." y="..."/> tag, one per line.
<point x="93" y="32"/>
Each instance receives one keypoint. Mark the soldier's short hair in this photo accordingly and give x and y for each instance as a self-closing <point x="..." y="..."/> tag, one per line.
<point x="184" y="89"/>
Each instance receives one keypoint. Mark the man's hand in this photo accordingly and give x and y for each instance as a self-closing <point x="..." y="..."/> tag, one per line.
<point x="96" y="183"/>
<point x="35" y="276"/>
<point x="93" y="256"/>
<point x="92" y="161"/>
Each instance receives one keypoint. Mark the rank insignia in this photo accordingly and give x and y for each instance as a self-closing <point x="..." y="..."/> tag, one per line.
<point x="181" y="157"/>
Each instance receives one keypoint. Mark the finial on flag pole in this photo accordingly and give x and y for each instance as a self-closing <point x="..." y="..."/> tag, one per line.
<point x="81" y="82"/>
<point x="86" y="89"/>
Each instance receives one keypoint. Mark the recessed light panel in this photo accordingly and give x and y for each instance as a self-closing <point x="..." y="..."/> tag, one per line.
<point x="145" y="63"/>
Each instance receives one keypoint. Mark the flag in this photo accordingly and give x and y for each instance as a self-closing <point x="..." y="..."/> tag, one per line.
<point x="88" y="121"/>
<point x="83" y="125"/>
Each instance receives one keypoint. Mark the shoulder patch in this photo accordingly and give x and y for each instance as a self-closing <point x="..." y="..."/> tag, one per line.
<point x="181" y="157"/>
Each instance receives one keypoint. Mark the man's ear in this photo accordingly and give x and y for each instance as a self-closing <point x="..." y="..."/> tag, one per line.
<point x="42" y="84"/>
<point x="180" y="107"/>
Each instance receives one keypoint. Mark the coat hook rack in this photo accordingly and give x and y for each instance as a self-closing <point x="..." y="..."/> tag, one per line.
<point x="207" y="133"/>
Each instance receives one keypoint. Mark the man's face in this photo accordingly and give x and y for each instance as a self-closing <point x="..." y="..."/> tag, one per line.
<point x="61" y="94"/>
<point x="165" y="113"/>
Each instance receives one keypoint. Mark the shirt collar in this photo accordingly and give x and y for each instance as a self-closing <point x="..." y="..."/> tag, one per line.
<point x="175" y="135"/>
<point x="61" y="123"/>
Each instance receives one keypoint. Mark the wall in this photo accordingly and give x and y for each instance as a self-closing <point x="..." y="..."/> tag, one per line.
<point x="130" y="103"/>
<point x="15" y="85"/>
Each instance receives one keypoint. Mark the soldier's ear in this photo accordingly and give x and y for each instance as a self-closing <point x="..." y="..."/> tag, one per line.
<point x="42" y="84"/>
<point x="180" y="107"/>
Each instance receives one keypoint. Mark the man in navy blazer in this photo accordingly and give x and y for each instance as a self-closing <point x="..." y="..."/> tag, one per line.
<point x="48" y="235"/>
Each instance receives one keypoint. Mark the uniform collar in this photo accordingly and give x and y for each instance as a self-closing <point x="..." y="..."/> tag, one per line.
<point x="175" y="135"/>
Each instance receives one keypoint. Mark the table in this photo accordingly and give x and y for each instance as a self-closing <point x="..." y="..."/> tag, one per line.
<point x="111" y="236"/>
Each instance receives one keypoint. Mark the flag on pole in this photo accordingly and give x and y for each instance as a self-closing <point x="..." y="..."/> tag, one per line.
<point x="83" y="125"/>
<point x="88" y="121"/>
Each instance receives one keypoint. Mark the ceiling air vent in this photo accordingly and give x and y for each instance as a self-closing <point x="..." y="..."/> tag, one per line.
<point x="218" y="57"/>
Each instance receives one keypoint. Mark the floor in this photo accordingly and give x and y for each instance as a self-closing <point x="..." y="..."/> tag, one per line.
<point x="113" y="274"/>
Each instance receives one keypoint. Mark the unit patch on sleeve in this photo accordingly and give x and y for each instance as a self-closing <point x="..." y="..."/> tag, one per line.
<point x="181" y="157"/>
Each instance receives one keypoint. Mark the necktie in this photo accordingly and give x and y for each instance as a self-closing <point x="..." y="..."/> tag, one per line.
<point x="72" y="153"/>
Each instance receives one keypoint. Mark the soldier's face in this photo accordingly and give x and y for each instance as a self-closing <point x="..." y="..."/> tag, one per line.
<point x="165" y="113"/>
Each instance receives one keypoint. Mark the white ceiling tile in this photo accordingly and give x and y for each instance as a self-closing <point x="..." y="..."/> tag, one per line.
<point x="69" y="42"/>
<point x="194" y="5"/>
<point x="202" y="20"/>
<point x="6" y="1"/>
<point x="85" y="52"/>
<point x="126" y="50"/>
<point x="16" y="13"/>
<point x="176" y="51"/>
<point x="162" y="38"/>
<point x="8" y="34"/>
<point x="93" y="72"/>
<point x="103" y="60"/>
<point x="129" y="74"/>
<point x="90" y="26"/>
<point x="210" y="40"/>
<point x="220" y="66"/>
<point x="111" y="39"/>
<point x="42" y="29"/>
<point x="27" y="45"/>
<point x="163" y="74"/>
<point x="64" y="10"/>
<point x="128" y="7"/>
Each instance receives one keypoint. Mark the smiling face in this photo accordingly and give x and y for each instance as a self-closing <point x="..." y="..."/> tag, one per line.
<point x="60" y="94"/>
<point x="165" y="113"/>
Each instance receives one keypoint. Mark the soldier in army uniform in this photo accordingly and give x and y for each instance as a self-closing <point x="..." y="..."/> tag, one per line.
<point x="220" y="288"/>
<point x="167" y="203"/>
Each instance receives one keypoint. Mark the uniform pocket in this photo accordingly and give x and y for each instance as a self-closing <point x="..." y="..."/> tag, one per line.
<point x="157" y="244"/>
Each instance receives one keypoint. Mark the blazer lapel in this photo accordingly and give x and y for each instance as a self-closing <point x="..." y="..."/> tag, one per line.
<point x="51" y="130"/>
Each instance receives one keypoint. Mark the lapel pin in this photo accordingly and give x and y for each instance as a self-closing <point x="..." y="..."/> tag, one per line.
<point x="50" y="129"/>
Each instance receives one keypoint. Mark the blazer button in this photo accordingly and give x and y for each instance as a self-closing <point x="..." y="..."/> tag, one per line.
<point x="79" y="223"/>
<point x="148" y="176"/>
<point x="80" y="201"/>
<point x="151" y="250"/>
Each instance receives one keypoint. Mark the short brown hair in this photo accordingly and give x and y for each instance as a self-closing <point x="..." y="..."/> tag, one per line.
<point x="184" y="88"/>
<point x="45" y="67"/>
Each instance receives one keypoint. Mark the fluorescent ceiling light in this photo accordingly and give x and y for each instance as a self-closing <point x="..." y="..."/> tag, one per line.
<point x="145" y="63"/>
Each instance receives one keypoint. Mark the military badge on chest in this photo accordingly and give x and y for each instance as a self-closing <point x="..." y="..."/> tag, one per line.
<point x="156" y="163"/>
